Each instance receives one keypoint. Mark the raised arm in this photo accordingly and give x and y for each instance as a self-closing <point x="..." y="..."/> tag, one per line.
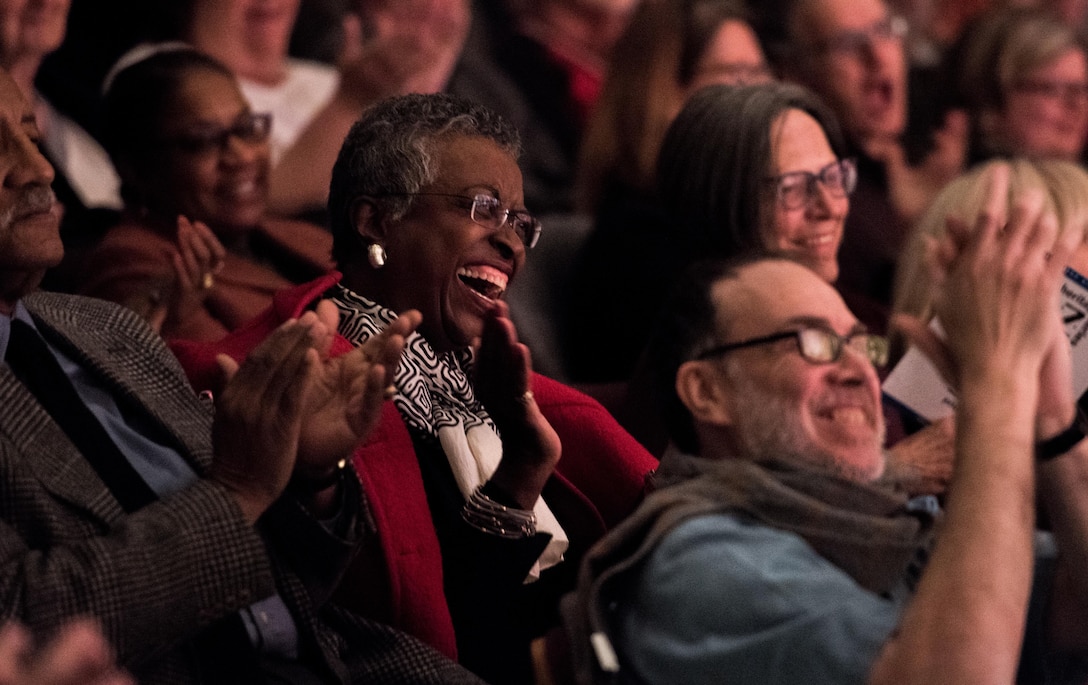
<point x="998" y="304"/>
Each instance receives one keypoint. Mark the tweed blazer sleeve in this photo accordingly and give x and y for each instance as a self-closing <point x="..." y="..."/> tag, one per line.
<point x="154" y="577"/>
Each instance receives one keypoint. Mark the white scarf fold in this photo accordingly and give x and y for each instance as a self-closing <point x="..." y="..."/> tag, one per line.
<point x="435" y="397"/>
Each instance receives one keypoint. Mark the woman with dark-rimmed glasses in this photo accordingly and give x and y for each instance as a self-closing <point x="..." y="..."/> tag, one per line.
<point x="196" y="251"/>
<point x="741" y="168"/>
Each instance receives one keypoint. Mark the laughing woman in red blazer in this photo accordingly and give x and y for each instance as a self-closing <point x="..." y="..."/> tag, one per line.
<point x="480" y="523"/>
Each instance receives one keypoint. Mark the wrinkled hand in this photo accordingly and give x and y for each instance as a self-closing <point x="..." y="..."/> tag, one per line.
<point x="198" y="260"/>
<point x="922" y="463"/>
<point x="912" y="188"/>
<point x="401" y="46"/>
<point x="345" y="402"/>
<point x="531" y="447"/>
<point x="260" y="412"/>
<point x="78" y="655"/>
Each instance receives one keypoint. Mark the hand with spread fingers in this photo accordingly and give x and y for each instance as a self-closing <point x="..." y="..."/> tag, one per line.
<point x="198" y="260"/>
<point x="259" y="414"/>
<point x="344" y="403"/>
<point x="531" y="446"/>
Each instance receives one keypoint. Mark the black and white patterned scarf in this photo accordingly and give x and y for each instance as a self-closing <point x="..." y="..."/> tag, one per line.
<point x="435" y="397"/>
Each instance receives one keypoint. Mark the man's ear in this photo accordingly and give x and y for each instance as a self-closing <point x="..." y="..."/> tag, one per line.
<point x="367" y="221"/>
<point x="701" y="388"/>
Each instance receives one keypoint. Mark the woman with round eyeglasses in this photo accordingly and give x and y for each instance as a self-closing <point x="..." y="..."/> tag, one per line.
<point x="741" y="168"/>
<point x="196" y="251"/>
<point x="756" y="168"/>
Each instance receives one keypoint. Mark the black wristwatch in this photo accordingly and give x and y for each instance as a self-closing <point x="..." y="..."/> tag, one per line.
<point x="1061" y="443"/>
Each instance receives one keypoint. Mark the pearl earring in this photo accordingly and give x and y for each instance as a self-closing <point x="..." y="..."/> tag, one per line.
<point x="375" y="254"/>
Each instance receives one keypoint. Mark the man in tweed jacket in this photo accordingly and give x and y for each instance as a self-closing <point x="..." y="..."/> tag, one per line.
<point x="258" y="513"/>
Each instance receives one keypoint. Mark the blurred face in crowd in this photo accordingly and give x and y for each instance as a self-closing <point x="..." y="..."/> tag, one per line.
<point x="213" y="157"/>
<point x="732" y="57"/>
<point x="261" y="25"/>
<point x="777" y="403"/>
<point x="29" y="216"/>
<point x="1046" y="112"/>
<point x="806" y="203"/>
<point x="851" y="53"/>
<point x="31" y="27"/>
<point x="440" y="260"/>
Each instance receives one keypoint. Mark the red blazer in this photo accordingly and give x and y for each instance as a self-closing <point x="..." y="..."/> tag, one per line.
<point x="601" y="476"/>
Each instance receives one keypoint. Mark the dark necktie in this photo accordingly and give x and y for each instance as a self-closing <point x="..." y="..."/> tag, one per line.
<point x="36" y="367"/>
<point x="226" y="640"/>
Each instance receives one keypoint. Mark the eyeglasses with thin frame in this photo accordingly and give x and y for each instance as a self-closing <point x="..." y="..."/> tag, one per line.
<point x="249" y="128"/>
<point x="816" y="345"/>
<point x="794" y="189"/>
<point x="487" y="210"/>
<point x="849" y="43"/>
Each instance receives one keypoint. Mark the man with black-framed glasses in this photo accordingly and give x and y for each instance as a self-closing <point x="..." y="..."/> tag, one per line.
<point x="774" y="549"/>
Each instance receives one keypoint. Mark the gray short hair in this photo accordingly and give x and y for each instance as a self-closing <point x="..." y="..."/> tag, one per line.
<point x="390" y="151"/>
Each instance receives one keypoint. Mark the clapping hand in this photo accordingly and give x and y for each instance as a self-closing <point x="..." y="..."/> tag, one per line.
<point x="998" y="289"/>
<point x="531" y="447"/>
<point x="290" y="408"/>
<point x="260" y="412"/>
<point x="345" y="400"/>
<point x="199" y="258"/>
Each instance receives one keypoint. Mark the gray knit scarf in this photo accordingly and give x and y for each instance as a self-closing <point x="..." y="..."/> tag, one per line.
<point x="868" y="531"/>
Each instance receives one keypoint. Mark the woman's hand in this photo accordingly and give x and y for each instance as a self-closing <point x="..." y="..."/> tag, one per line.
<point x="922" y="463"/>
<point x="912" y="188"/>
<point x="531" y="447"/>
<point x="198" y="260"/>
